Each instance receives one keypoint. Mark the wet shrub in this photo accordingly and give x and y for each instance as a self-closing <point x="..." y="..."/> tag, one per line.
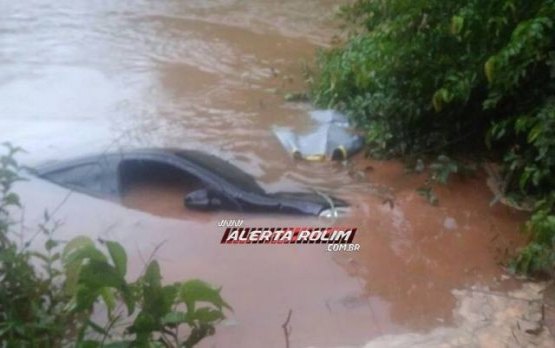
<point x="431" y="77"/>
<point x="48" y="297"/>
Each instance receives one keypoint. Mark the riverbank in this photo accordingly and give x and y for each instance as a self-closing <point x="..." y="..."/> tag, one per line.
<point x="79" y="79"/>
<point x="484" y="318"/>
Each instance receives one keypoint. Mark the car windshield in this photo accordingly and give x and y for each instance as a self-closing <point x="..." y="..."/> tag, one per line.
<point x="223" y="169"/>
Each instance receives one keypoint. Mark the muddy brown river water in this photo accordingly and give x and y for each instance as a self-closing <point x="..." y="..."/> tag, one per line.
<point x="78" y="77"/>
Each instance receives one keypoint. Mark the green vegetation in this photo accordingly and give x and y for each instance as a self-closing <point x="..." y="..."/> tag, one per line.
<point x="57" y="297"/>
<point x="432" y="77"/>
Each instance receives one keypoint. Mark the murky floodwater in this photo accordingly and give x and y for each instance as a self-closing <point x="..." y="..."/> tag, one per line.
<point x="79" y="76"/>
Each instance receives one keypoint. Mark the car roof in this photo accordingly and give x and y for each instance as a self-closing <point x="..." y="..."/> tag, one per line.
<point x="212" y="170"/>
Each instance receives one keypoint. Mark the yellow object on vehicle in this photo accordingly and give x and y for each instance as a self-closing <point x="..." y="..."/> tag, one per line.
<point x="331" y="138"/>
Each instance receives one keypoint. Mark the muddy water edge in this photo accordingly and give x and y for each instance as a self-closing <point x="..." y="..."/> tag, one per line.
<point x="78" y="77"/>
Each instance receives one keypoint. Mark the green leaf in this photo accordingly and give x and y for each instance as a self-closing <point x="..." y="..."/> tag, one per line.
<point x="109" y="299"/>
<point x="152" y="274"/>
<point x="525" y="177"/>
<point x="118" y="255"/>
<point x="96" y="275"/>
<point x="87" y="252"/>
<point x="74" y="254"/>
<point x="196" y="290"/>
<point x="440" y="98"/>
<point x="175" y="318"/>
<point x="489" y="67"/>
<point x="208" y="315"/>
<point x="76" y="243"/>
<point x="457" y="23"/>
<point x="50" y="244"/>
<point x="535" y="133"/>
<point x="197" y="334"/>
<point x="144" y="325"/>
<point x="157" y="300"/>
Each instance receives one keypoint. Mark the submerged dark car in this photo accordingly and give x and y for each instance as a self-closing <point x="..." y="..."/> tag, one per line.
<point x="213" y="183"/>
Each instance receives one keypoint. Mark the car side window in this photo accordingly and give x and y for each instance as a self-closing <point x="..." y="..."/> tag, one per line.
<point x="87" y="176"/>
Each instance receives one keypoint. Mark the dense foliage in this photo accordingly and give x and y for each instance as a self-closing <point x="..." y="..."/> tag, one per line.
<point x="56" y="297"/>
<point x="432" y="77"/>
